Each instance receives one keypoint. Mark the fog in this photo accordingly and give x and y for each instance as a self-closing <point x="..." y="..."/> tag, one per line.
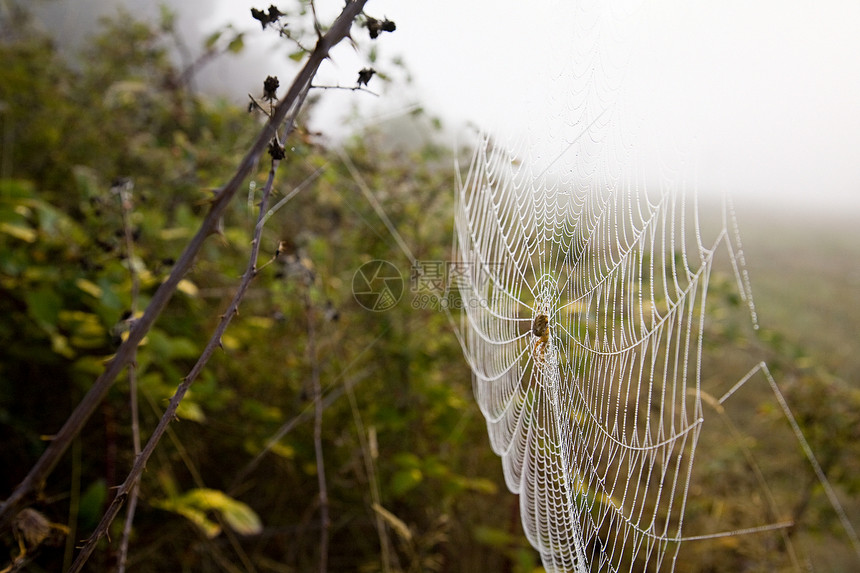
<point x="761" y="96"/>
<point x="758" y="99"/>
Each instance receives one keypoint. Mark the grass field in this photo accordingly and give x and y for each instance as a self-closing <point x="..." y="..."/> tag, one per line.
<point x="805" y="274"/>
<point x="805" y="277"/>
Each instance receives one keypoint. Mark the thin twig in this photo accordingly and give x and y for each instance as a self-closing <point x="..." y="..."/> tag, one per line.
<point x="74" y="504"/>
<point x="125" y="209"/>
<point x="257" y="105"/>
<point x="284" y="32"/>
<point x="374" y="202"/>
<point x="299" y="188"/>
<point x="317" y="27"/>
<point x="47" y="462"/>
<point x="132" y="500"/>
<point x="318" y="413"/>
<point x="125" y="203"/>
<point x="348" y="88"/>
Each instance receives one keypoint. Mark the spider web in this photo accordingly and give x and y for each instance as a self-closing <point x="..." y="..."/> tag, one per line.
<point x="596" y="427"/>
<point x="598" y="422"/>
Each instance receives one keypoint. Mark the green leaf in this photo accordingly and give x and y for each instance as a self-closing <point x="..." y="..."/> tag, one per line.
<point x="405" y="480"/>
<point x="44" y="305"/>
<point x="91" y="504"/>
<point x="407" y="460"/>
<point x="167" y="347"/>
<point x="183" y="348"/>
<point x="297" y="56"/>
<point x="10" y="188"/>
<point x="212" y="38"/>
<point x="237" y="44"/>
<point x="481" y="485"/>
<point x="492" y="536"/>
<point x="167" y="18"/>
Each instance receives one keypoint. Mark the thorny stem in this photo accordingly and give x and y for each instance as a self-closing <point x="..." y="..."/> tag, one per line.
<point x="182" y="389"/>
<point x="35" y="479"/>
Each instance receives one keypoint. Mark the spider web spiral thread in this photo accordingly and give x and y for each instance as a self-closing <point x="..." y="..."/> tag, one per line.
<point x="597" y="426"/>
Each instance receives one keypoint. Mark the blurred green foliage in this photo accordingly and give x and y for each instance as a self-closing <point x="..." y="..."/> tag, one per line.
<point x="78" y="130"/>
<point x="400" y="419"/>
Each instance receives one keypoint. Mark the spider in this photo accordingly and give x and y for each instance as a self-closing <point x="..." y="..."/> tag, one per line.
<point x="540" y="328"/>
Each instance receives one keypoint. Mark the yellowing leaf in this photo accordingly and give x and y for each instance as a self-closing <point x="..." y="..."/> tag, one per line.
<point x="60" y="345"/>
<point x="190" y="411"/>
<point x="260" y="321"/>
<point x="175" y="233"/>
<point x="143" y="342"/>
<point x="210" y="529"/>
<point x="23" y="210"/>
<point x="194" y="504"/>
<point x="241" y="518"/>
<point x="284" y="450"/>
<point x="481" y="485"/>
<point x="187" y="287"/>
<point x="86" y="330"/>
<point x="89" y="287"/>
<point x="230" y="342"/>
<point x="24" y="233"/>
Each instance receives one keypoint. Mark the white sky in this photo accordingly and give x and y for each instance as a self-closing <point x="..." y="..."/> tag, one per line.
<point x="765" y="95"/>
<point x="761" y="98"/>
